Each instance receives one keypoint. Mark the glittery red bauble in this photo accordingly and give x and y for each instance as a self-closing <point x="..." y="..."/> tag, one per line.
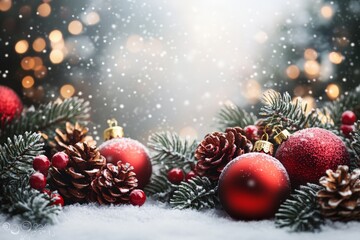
<point x="129" y="151"/>
<point x="10" y="104"/>
<point x="252" y="186"/>
<point x="308" y="153"/>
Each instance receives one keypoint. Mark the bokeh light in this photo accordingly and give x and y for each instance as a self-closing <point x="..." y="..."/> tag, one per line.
<point x="91" y="18"/>
<point x="39" y="44"/>
<point x="27" y="63"/>
<point x="40" y="72"/>
<point x="56" y="56"/>
<point x="21" y="46"/>
<point x="5" y="5"/>
<point x="292" y="72"/>
<point x="75" y="27"/>
<point x="310" y="54"/>
<point x="28" y="82"/>
<point x="44" y="10"/>
<point x="55" y="36"/>
<point x="332" y="91"/>
<point x="312" y="68"/>
<point x="335" y="57"/>
<point x="327" y="11"/>
<point x="134" y="43"/>
<point x="67" y="91"/>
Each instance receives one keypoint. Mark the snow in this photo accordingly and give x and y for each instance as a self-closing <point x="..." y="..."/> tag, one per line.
<point x="158" y="221"/>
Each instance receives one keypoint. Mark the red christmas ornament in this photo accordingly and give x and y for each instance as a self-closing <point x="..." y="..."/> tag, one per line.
<point x="10" y="104"/>
<point x="251" y="132"/>
<point x="37" y="181"/>
<point x="137" y="197"/>
<point x="60" y="160"/>
<point x="252" y="186"/>
<point x="308" y="153"/>
<point x="348" y="118"/>
<point x="126" y="150"/>
<point x="41" y="163"/>
<point x="175" y="176"/>
<point x="347" y="130"/>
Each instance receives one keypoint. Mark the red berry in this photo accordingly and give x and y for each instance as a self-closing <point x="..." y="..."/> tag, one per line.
<point x="175" y="175"/>
<point x="41" y="163"/>
<point x="348" y="118"/>
<point x="38" y="181"/>
<point x="137" y="197"/>
<point x="347" y="129"/>
<point x="57" y="199"/>
<point x="190" y="175"/>
<point x="60" y="160"/>
<point x="251" y="132"/>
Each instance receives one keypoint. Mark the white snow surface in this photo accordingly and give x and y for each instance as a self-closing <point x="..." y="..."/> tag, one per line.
<point x="158" y="221"/>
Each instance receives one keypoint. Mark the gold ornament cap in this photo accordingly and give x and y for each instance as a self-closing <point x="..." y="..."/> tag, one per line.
<point x="281" y="136"/>
<point x="263" y="145"/>
<point x="114" y="131"/>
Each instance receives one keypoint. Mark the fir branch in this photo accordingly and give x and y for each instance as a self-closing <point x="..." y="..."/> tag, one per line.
<point x="159" y="187"/>
<point x="355" y="146"/>
<point x="16" y="155"/>
<point x="19" y="199"/>
<point x="301" y="212"/>
<point x="171" y="151"/>
<point x="197" y="193"/>
<point x="281" y="110"/>
<point x="234" y="116"/>
<point x="47" y="118"/>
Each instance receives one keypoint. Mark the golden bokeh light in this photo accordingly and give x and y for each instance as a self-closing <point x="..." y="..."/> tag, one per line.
<point x="5" y="5"/>
<point x="310" y="54"/>
<point x="58" y="45"/>
<point x="307" y="101"/>
<point x="75" y="27"/>
<point x="332" y="91"/>
<point x="135" y="43"/>
<point x="292" y="72"/>
<point x="21" y="46"/>
<point x="38" y="63"/>
<point x="67" y="91"/>
<point x="312" y="68"/>
<point x="28" y="82"/>
<point x="39" y="44"/>
<point x="335" y="57"/>
<point x="40" y="72"/>
<point x="55" y="36"/>
<point x="56" y="56"/>
<point x="327" y="12"/>
<point x="91" y="18"/>
<point x="27" y="63"/>
<point x="44" y="9"/>
<point x="252" y="91"/>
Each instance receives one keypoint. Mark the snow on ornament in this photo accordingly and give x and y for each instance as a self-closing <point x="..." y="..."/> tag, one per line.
<point x="308" y="153"/>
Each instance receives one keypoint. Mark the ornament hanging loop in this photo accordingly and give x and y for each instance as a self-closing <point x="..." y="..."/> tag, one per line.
<point x="263" y="145"/>
<point x="114" y="131"/>
<point x="281" y="134"/>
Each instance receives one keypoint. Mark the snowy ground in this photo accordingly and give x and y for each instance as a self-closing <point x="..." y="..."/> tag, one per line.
<point x="152" y="221"/>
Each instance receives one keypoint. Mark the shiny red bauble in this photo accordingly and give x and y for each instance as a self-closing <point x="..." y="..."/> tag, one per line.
<point x="176" y="176"/>
<point x="38" y="181"/>
<point x="308" y="153"/>
<point x="60" y="160"/>
<point x="10" y="104"/>
<point x="129" y="151"/>
<point x="252" y="186"/>
<point x="137" y="197"/>
<point x="41" y="163"/>
<point x="348" y="118"/>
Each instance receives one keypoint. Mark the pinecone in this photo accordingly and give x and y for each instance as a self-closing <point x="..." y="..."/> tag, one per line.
<point x="340" y="200"/>
<point x="73" y="182"/>
<point x="72" y="135"/>
<point x="217" y="149"/>
<point x="113" y="184"/>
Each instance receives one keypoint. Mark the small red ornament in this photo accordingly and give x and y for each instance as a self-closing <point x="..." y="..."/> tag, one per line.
<point x="348" y="118"/>
<point x="190" y="175"/>
<point x="137" y="197"/>
<point x="251" y="132"/>
<point x="347" y="130"/>
<point x="126" y="150"/>
<point x="10" y="104"/>
<point x="175" y="176"/>
<point x="308" y="153"/>
<point x="252" y="186"/>
<point x="37" y="181"/>
<point x="60" y="160"/>
<point x="57" y="199"/>
<point x="41" y="163"/>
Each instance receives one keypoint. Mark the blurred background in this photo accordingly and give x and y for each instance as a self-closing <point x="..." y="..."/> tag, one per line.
<point x="171" y="65"/>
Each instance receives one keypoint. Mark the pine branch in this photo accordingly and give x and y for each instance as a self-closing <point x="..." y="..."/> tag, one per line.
<point x="47" y="118"/>
<point x="281" y="110"/>
<point x="355" y="146"/>
<point x="159" y="187"/>
<point x="171" y="151"/>
<point x="234" y="116"/>
<point x="301" y="211"/>
<point x="18" y="199"/>
<point x="197" y="193"/>
<point x="16" y="155"/>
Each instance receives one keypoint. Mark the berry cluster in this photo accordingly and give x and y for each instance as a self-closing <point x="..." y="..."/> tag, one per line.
<point x="176" y="175"/>
<point x="348" y="118"/>
<point x="41" y="164"/>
